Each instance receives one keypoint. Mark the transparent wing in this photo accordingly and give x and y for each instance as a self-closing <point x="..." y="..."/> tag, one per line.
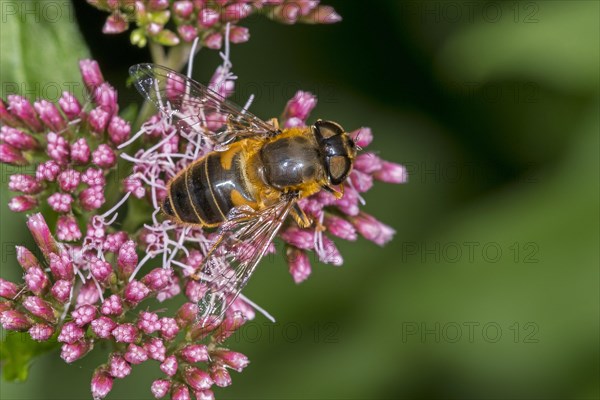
<point x="242" y="242"/>
<point x="193" y="106"/>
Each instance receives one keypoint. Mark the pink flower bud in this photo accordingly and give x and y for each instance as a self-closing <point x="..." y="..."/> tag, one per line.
<point x="187" y="32"/>
<point x="349" y="203"/>
<point x="69" y="179"/>
<point x="90" y="72"/>
<point x="134" y="185"/>
<point x="299" y="264"/>
<point x="80" y="151"/>
<point x="148" y="322"/>
<point x="101" y="384"/>
<point x="70" y="333"/>
<point x="118" y="130"/>
<point x="88" y="293"/>
<point x="220" y="376"/>
<point x="18" y="139"/>
<point x="360" y="181"/>
<point x="155" y="348"/>
<point x="235" y="12"/>
<point x="92" y="198"/>
<point x="229" y="325"/>
<point x="61" y="291"/>
<point x="70" y="105"/>
<point x="40" y="308"/>
<point x="180" y="392"/>
<point x="41" y="234"/>
<point x="21" y="108"/>
<point x="322" y="15"/>
<point x="300" y="106"/>
<point x="236" y="361"/>
<point x="71" y="352"/>
<point x="373" y="230"/>
<point x="329" y="253"/>
<point x="158" y="278"/>
<point x="50" y="115"/>
<point x="240" y="306"/>
<point x="41" y="332"/>
<point x="135" y="354"/>
<point x="125" y="333"/>
<point x="362" y="137"/>
<point x="13" y="320"/>
<point x="84" y="315"/>
<point x="127" y="259"/>
<point x="104" y="156"/>
<point x="169" y="366"/>
<point x="93" y="177"/>
<point x="196" y="378"/>
<point x="22" y="203"/>
<point x="98" y="119"/>
<point x="60" y="202"/>
<point x="157" y="5"/>
<point x="392" y="173"/>
<point x="214" y="41"/>
<point x="168" y="328"/>
<point x="187" y="314"/>
<point x="160" y="388"/>
<point x="100" y="269"/>
<point x="115" y="23"/>
<point x="8" y="290"/>
<point x="300" y="238"/>
<point x="118" y="366"/>
<point x="206" y="394"/>
<point x="10" y="155"/>
<point x="105" y="96"/>
<point x="5" y="116"/>
<point x="47" y="171"/>
<point x="135" y="292"/>
<point x="239" y="34"/>
<point x="67" y="229"/>
<point x="340" y="227"/>
<point x="36" y="280"/>
<point x="112" y="305"/>
<point x="367" y="163"/>
<point x="114" y="241"/>
<point x="103" y="327"/>
<point x="57" y="148"/>
<point x="195" y="290"/>
<point x="287" y="13"/>
<point x="207" y="17"/>
<point x="61" y="266"/>
<point x="24" y="183"/>
<point x="183" y="9"/>
<point x="26" y="258"/>
<point x="195" y="353"/>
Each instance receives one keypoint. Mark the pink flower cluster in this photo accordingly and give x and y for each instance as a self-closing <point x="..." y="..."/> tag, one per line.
<point x="85" y="300"/>
<point x="93" y="286"/>
<point x="206" y="20"/>
<point x="74" y="149"/>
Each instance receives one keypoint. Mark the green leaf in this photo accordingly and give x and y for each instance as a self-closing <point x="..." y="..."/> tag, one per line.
<point x="41" y="46"/>
<point x="17" y="352"/>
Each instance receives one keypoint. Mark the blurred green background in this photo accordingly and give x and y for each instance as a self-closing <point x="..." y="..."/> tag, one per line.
<point x="490" y="288"/>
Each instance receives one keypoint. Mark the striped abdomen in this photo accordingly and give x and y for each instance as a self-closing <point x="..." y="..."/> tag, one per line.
<point x="207" y="190"/>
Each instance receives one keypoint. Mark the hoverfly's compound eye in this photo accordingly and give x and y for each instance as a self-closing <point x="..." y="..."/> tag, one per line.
<point x="339" y="167"/>
<point x="328" y="129"/>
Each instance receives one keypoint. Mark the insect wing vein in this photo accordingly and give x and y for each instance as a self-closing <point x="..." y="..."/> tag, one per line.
<point x="193" y="106"/>
<point x="243" y="241"/>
